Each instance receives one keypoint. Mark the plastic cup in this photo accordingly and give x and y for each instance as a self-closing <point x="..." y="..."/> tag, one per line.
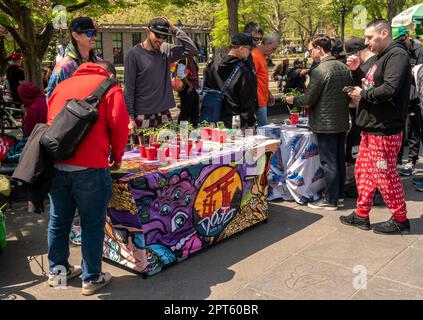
<point x="143" y="152"/>
<point x="294" y="117"/>
<point x="151" y="153"/>
<point x="215" y="135"/>
<point x="206" y="133"/>
<point x="174" y="152"/>
<point x="198" y="145"/>
<point x="223" y="136"/>
<point x="156" y="145"/>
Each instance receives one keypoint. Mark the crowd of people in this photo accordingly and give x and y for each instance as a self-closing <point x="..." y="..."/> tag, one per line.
<point x="364" y="91"/>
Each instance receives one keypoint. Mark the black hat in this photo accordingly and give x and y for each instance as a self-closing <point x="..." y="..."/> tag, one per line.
<point x="242" y="39"/>
<point x="354" y="44"/>
<point x="81" y="24"/>
<point x="159" y="25"/>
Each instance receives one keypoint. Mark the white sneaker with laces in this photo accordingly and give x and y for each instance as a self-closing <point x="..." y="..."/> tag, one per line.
<point x="91" y="287"/>
<point x="73" y="272"/>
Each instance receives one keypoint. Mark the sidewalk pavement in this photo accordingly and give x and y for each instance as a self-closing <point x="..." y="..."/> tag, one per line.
<point x="300" y="253"/>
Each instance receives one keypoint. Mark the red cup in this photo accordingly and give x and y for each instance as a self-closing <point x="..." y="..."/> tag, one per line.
<point x="174" y="151"/>
<point x="206" y="133"/>
<point x="198" y="145"/>
<point x="151" y="153"/>
<point x="223" y="136"/>
<point x="189" y="147"/>
<point x="156" y="145"/>
<point x="294" y="117"/>
<point x="143" y="152"/>
<point x="215" y="135"/>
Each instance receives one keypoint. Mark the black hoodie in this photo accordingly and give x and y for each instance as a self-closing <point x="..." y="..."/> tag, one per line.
<point x="241" y="96"/>
<point x="384" y="100"/>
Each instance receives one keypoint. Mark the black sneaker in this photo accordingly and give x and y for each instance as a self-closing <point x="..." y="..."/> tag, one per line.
<point x="392" y="227"/>
<point x="323" y="205"/>
<point x="354" y="220"/>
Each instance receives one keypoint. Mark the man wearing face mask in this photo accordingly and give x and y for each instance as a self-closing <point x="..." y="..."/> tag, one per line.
<point x="239" y="98"/>
<point x="148" y="89"/>
<point x="329" y="118"/>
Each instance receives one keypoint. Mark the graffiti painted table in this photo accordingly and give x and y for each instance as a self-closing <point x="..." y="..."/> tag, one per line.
<point x="159" y="215"/>
<point x="295" y="172"/>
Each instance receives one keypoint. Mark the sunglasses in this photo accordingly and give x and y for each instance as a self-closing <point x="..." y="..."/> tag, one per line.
<point x="160" y="36"/>
<point x="257" y="38"/>
<point x="90" y="33"/>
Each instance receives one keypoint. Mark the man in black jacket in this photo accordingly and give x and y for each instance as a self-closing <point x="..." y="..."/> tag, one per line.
<point x="382" y="107"/>
<point x="328" y="119"/>
<point x="241" y="96"/>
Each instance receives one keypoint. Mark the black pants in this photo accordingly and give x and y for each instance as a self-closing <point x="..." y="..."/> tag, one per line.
<point x="412" y="134"/>
<point x="332" y="159"/>
<point x="190" y="108"/>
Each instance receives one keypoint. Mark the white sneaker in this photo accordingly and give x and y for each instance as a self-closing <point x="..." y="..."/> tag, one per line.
<point x="90" y="287"/>
<point x="73" y="272"/>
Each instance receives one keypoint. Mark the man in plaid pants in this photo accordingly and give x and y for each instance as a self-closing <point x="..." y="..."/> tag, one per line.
<point x="382" y="108"/>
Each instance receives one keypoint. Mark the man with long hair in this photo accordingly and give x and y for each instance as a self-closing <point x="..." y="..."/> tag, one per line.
<point x="81" y="48"/>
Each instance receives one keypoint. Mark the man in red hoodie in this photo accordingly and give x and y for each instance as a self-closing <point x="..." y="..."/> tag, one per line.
<point x="83" y="182"/>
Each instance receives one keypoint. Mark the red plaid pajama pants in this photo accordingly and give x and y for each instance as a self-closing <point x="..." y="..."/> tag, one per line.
<point x="376" y="168"/>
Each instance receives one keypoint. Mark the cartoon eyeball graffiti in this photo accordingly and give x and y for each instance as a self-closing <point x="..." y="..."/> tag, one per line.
<point x="179" y="220"/>
<point x="165" y="210"/>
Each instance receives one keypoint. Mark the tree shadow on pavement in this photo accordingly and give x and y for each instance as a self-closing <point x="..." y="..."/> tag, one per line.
<point x="195" y="277"/>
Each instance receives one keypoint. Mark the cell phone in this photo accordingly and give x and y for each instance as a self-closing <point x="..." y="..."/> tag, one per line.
<point x="348" y="89"/>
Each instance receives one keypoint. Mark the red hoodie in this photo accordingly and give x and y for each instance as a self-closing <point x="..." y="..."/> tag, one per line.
<point x="111" y="128"/>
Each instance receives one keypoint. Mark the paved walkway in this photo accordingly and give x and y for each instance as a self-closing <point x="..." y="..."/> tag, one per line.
<point x="300" y="253"/>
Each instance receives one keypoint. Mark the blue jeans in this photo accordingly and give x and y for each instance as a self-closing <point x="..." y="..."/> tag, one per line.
<point x="332" y="159"/>
<point x="90" y="191"/>
<point x="261" y="115"/>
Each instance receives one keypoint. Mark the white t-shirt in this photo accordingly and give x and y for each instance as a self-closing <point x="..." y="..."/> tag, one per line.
<point x="181" y="71"/>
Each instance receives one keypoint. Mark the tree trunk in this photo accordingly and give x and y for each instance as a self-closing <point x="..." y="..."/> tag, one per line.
<point x="233" y="16"/>
<point x="31" y="60"/>
<point x="3" y="57"/>
<point x="394" y="7"/>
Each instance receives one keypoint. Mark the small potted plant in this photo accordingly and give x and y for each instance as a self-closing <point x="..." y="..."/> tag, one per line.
<point x="148" y="146"/>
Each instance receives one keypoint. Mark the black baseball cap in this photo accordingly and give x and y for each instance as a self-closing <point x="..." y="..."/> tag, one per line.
<point x="242" y="39"/>
<point x="354" y="44"/>
<point x="159" y="25"/>
<point x="82" y="24"/>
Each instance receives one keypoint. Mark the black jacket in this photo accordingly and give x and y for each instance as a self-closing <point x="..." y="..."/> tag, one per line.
<point x="324" y="96"/>
<point x="241" y="96"/>
<point x="416" y="57"/>
<point x="15" y="75"/>
<point x="35" y="169"/>
<point x="384" y="100"/>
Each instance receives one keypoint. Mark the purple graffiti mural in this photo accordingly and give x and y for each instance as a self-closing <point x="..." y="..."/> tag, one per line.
<point x="170" y="213"/>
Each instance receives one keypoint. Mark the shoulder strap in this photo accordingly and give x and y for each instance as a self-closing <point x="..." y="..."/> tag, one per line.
<point x="95" y="98"/>
<point x="231" y="77"/>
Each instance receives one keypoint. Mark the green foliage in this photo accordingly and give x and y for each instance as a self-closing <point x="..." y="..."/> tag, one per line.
<point x="204" y="124"/>
<point x="293" y="92"/>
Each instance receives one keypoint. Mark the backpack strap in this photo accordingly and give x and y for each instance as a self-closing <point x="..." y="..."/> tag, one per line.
<point x="95" y="98"/>
<point x="231" y="77"/>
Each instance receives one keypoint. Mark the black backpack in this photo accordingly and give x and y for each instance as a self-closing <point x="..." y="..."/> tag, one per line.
<point x="73" y="123"/>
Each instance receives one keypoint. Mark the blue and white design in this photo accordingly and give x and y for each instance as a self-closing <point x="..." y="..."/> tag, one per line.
<point x="295" y="172"/>
<point x="310" y="152"/>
